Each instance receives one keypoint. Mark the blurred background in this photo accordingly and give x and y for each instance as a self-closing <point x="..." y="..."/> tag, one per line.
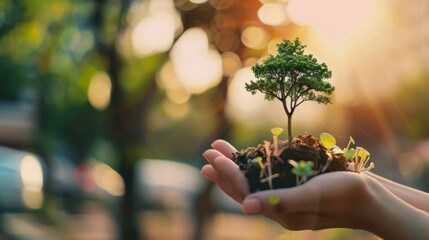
<point x="107" y="105"/>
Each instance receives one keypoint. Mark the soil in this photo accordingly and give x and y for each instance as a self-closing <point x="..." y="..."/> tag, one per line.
<point x="303" y="147"/>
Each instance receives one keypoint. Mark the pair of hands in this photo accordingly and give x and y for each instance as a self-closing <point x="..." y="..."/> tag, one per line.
<point x="332" y="200"/>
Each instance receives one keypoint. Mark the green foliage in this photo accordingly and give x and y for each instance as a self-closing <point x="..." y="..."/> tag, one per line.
<point x="358" y="156"/>
<point x="302" y="168"/>
<point x="328" y="141"/>
<point x="292" y="77"/>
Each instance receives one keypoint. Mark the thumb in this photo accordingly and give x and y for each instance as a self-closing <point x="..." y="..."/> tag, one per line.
<point x="291" y="200"/>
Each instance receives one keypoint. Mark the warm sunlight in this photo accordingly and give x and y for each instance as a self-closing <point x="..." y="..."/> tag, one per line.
<point x="333" y="18"/>
<point x="241" y="104"/>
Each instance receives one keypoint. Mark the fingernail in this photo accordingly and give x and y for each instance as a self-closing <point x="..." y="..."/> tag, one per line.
<point x="251" y="205"/>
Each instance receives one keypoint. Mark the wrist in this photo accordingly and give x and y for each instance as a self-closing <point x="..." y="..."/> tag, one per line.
<point x="390" y="217"/>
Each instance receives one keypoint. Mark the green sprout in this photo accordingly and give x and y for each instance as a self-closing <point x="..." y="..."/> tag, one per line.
<point x="328" y="141"/>
<point x="293" y="78"/>
<point x="276" y="132"/>
<point x="359" y="157"/>
<point x="302" y="170"/>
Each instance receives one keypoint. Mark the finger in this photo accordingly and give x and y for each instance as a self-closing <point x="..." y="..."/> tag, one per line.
<point x="210" y="173"/>
<point x="301" y="199"/>
<point x="229" y="175"/>
<point x="232" y="175"/>
<point x="211" y="154"/>
<point x="224" y="147"/>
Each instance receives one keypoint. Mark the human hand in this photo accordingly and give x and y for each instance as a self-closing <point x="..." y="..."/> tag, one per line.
<point x="331" y="200"/>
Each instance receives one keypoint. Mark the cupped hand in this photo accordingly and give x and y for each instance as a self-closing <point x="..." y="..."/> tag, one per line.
<point x="331" y="200"/>
<point x="326" y="201"/>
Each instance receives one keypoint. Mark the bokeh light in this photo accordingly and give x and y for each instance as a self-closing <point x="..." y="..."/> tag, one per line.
<point x="156" y="31"/>
<point x="230" y="63"/>
<point x="99" y="91"/>
<point x="241" y="104"/>
<point x="274" y="14"/>
<point x="31" y="173"/>
<point x="254" y="36"/>
<point x="196" y="65"/>
<point x="108" y="179"/>
<point x="32" y="181"/>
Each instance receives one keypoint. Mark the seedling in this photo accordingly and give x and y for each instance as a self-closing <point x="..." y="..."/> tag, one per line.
<point x="302" y="170"/>
<point x="293" y="78"/>
<point x="276" y="132"/>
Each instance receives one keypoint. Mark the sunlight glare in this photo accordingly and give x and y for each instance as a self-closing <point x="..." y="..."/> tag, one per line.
<point x="196" y="65"/>
<point x="333" y="18"/>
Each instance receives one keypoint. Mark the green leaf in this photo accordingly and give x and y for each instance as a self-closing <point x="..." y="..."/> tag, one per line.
<point x="349" y="153"/>
<point x="328" y="141"/>
<point x="293" y="163"/>
<point x="276" y="131"/>
<point x="274" y="200"/>
<point x="362" y="152"/>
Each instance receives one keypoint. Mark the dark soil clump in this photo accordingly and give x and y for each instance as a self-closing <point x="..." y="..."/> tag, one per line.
<point x="303" y="147"/>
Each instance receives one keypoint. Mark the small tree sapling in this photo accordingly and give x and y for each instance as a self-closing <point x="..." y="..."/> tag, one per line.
<point x="293" y="78"/>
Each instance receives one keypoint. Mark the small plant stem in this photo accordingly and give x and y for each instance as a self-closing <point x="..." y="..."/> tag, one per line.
<point x="268" y="152"/>
<point x="275" y="145"/>
<point x="270" y="178"/>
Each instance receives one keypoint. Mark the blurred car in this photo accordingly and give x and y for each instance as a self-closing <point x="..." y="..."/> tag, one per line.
<point x="21" y="180"/>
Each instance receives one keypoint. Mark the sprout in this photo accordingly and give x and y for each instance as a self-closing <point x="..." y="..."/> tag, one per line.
<point x="276" y="132"/>
<point x="302" y="170"/>
<point x="359" y="157"/>
<point x="328" y="141"/>
<point x="268" y="152"/>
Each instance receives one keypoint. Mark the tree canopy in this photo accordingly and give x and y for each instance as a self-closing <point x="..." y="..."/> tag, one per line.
<point x="293" y="78"/>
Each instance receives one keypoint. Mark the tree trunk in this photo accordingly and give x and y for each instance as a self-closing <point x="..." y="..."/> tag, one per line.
<point x="289" y="127"/>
